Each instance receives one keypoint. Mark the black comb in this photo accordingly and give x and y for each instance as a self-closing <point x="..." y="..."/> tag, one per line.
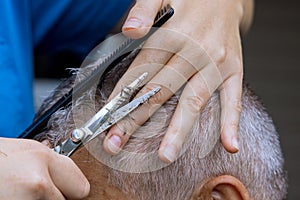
<point x="125" y="48"/>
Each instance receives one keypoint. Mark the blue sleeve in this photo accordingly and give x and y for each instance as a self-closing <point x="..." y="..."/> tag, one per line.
<point x="52" y="26"/>
<point x="74" y="25"/>
<point x="16" y="102"/>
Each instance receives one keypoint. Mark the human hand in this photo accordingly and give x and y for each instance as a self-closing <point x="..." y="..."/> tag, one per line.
<point x="200" y="45"/>
<point x="30" y="170"/>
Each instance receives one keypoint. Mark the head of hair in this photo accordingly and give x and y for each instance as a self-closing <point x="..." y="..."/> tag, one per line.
<point x="259" y="164"/>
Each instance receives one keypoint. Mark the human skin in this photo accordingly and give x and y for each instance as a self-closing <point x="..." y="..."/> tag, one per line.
<point x="214" y="26"/>
<point x="30" y="170"/>
<point x="203" y="171"/>
<point x="100" y="176"/>
<point x="101" y="188"/>
<point x="228" y="46"/>
<point x="97" y="174"/>
<point x="217" y="173"/>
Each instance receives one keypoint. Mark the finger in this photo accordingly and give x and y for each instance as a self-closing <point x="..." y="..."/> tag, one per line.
<point x="32" y="180"/>
<point x="170" y="78"/>
<point x="68" y="178"/>
<point x="193" y="98"/>
<point x="139" y="66"/>
<point x="42" y="189"/>
<point x="141" y="17"/>
<point x="52" y="193"/>
<point x="230" y="95"/>
<point x="119" y="134"/>
<point x="156" y="52"/>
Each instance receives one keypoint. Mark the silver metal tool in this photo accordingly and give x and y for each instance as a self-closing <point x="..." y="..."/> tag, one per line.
<point x="120" y="51"/>
<point x="118" y="108"/>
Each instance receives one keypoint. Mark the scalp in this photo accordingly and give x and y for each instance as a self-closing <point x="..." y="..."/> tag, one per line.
<point x="259" y="164"/>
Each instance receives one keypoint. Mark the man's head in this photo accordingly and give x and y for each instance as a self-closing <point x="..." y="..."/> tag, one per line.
<point x="204" y="170"/>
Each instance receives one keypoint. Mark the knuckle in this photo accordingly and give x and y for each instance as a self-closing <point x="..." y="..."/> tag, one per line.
<point x="220" y="55"/>
<point x="128" y="126"/>
<point x="232" y="68"/>
<point x="194" y="103"/>
<point x="238" y="105"/>
<point x="43" y="153"/>
<point x="234" y="126"/>
<point x="141" y="9"/>
<point x="158" y="98"/>
<point x="149" y="5"/>
<point x="38" y="185"/>
<point x="132" y="122"/>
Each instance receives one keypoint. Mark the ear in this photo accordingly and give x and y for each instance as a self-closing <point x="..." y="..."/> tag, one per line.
<point x="223" y="187"/>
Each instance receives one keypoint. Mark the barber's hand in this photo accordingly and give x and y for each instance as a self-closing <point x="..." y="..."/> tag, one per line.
<point x="30" y="170"/>
<point x="200" y="45"/>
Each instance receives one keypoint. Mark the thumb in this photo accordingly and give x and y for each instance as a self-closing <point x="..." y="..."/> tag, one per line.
<point x="141" y="18"/>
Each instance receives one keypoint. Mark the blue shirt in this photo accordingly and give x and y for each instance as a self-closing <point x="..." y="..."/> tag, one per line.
<point x="53" y="26"/>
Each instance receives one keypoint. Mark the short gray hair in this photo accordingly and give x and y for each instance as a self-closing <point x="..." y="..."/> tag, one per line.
<point x="259" y="164"/>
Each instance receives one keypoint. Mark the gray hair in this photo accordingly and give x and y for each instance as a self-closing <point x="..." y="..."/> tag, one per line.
<point x="259" y="164"/>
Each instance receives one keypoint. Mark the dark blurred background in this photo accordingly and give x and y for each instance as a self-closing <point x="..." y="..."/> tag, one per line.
<point x="272" y="67"/>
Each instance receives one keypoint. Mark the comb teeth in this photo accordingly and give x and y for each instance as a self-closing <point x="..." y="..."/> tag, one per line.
<point x="100" y="68"/>
<point x="126" y="47"/>
<point x="162" y="12"/>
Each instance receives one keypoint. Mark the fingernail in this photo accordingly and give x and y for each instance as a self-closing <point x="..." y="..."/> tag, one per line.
<point x="132" y="23"/>
<point x="170" y="153"/>
<point x="235" y="143"/>
<point x="114" y="144"/>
